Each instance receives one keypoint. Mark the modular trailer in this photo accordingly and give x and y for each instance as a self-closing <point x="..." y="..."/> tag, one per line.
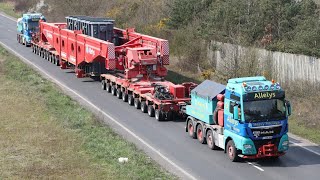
<point x="238" y="118"/>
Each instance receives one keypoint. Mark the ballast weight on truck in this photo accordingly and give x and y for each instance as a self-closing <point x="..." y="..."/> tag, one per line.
<point x="247" y="118"/>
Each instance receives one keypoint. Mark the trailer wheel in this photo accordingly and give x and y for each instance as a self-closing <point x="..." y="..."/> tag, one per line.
<point x="108" y="88"/>
<point x="171" y="116"/>
<point x="103" y="85"/>
<point x="200" y="134"/>
<point x="191" y="129"/>
<point x="130" y="100"/>
<point x="150" y="111"/>
<point x="124" y="97"/>
<point x="137" y="103"/>
<point x="42" y="53"/>
<point x="119" y="93"/>
<point x="210" y="140"/>
<point x="113" y="90"/>
<point x="144" y="107"/>
<point x="159" y="115"/>
<point x="232" y="151"/>
<point x="57" y="62"/>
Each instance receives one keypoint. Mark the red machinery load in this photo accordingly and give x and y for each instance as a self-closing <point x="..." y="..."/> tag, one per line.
<point x="129" y="64"/>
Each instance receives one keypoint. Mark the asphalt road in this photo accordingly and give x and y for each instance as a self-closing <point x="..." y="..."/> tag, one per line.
<point x="166" y="142"/>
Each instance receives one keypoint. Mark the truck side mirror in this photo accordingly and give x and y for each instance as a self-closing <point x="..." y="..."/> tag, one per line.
<point x="288" y="107"/>
<point x="236" y="112"/>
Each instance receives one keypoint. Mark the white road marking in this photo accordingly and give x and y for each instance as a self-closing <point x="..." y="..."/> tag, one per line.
<point x="303" y="147"/>
<point x="101" y="111"/>
<point x="257" y="167"/>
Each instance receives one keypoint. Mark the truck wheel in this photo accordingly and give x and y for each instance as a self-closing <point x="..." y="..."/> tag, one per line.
<point x="210" y="140"/>
<point x="108" y="88"/>
<point x="200" y="134"/>
<point x="159" y="115"/>
<point x="232" y="151"/>
<point x="150" y="111"/>
<point x="119" y="93"/>
<point x="144" y="107"/>
<point x="103" y="85"/>
<point x="191" y="129"/>
<point x="137" y="103"/>
<point x="124" y="97"/>
<point x="113" y="90"/>
<point x="130" y="100"/>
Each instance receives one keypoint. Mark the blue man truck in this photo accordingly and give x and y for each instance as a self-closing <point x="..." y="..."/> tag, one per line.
<point x="247" y="118"/>
<point x="27" y="26"/>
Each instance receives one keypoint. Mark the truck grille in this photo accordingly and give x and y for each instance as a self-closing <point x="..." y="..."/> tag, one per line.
<point x="263" y="132"/>
<point x="259" y="143"/>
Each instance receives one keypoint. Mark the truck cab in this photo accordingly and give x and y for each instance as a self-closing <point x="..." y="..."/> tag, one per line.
<point x="256" y="117"/>
<point x="248" y="117"/>
<point x="28" y="25"/>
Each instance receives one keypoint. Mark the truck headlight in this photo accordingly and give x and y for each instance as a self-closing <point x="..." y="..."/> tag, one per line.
<point x="285" y="143"/>
<point x="247" y="146"/>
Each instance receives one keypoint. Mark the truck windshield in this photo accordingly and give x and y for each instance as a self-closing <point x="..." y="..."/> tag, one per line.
<point x="264" y="110"/>
<point x="33" y="25"/>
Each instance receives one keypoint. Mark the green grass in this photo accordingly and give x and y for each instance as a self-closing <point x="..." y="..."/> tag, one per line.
<point x="45" y="134"/>
<point x="8" y="8"/>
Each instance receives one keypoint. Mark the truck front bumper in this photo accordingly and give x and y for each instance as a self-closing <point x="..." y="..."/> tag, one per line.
<point x="268" y="150"/>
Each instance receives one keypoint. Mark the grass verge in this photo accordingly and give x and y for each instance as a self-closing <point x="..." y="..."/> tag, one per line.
<point x="8" y="8"/>
<point x="45" y="134"/>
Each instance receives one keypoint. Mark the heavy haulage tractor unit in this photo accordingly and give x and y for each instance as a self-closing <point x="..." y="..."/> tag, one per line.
<point x="28" y="26"/>
<point x="248" y="118"/>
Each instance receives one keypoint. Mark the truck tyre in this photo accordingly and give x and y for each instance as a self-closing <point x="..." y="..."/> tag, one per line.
<point x="113" y="90"/>
<point x="103" y="85"/>
<point x="210" y="140"/>
<point x="108" y="88"/>
<point x="200" y="134"/>
<point x="130" y="100"/>
<point x="232" y="151"/>
<point x="119" y="93"/>
<point x="191" y="129"/>
<point x="150" y="111"/>
<point x="159" y="115"/>
<point x="137" y="103"/>
<point x="124" y="97"/>
<point x="144" y="107"/>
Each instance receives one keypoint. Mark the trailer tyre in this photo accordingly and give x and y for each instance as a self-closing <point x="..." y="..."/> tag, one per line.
<point x="103" y="85"/>
<point x="150" y="111"/>
<point x="124" y="97"/>
<point x="232" y="151"/>
<point x="108" y="88"/>
<point x="210" y="140"/>
<point x="113" y="90"/>
<point x="200" y="134"/>
<point x="130" y="100"/>
<point x="119" y="93"/>
<point x="137" y="103"/>
<point x="144" y="107"/>
<point x="159" y="115"/>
